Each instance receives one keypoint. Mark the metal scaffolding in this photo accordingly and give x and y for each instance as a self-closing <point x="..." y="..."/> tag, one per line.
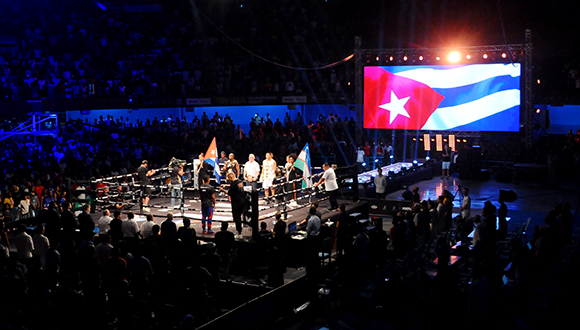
<point x="410" y="56"/>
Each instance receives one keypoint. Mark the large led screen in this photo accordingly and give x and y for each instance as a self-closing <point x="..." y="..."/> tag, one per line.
<point x="477" y="97"/>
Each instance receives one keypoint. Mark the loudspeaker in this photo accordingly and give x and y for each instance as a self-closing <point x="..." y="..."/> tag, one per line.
<point x="508" y="195"/>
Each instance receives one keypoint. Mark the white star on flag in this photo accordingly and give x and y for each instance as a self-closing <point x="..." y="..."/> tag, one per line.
<point x="396" y="107"/>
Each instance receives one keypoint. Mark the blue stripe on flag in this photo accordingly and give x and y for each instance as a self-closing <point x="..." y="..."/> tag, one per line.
<point x="464" y="94"/>
<point x="505" y="121"/>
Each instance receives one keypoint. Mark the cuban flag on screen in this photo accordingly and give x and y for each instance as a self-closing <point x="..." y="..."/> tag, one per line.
<point x="211" y="157"/>
<point x="479" y="97"/>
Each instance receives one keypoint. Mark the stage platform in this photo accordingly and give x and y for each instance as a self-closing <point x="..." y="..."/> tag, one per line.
<point x="368" y="176"/>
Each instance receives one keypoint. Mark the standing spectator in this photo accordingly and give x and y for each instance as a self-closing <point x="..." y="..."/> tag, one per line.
<point x="445" y="162"/>
<point x="69" y="221"/>
<point x="416" y="196"/>
<point x="169" y="228"/>
<point x="279" y="231"/>
<point x="466" y="205"/>
<point x="25" y="207"/>
<point x="104" y="222"/>
<point x="251" y="172"/>
<point x="502" y="220"/>
<point x="129" y="227"/>
<point x="40" y="243"/>
<point x="360" y="158"/>
<point x="225" y="244"/>
<point x="207" y="197"/>
<point x="238" y="201"/>
<point x="24" y="245"/>
<point x="147" y="226"/>
<point x="86" y="222"/>
<point x="103" y="250"/>
<point x="116" y="224"/>
<point x="329" y="180"/>
<point x="380" y="184"/>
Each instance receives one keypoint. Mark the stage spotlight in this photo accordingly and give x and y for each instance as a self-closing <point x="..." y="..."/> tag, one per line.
<point x="415" y="162"/>
<point x="376" y="160"/>
<point x="437" y="58"/>
<point x="503" y="55"/>
<point x="364" y="164"/>
<point x="391" y="157"/>
<point x="405" y="58"/>
<point x="391" y="58"/>
<point x="454" y="57"/>
<point x="427" y="158"/>
<point x="458" y="140"/>
<point x="420" y="57"/>
<point x="464" y="141"/>
<point x="377" y="58"/>
<point x="538" y="81"/>
<point x="484" y="56"/>
<point x="468" y="56"/>
<point x="538" y="110"/>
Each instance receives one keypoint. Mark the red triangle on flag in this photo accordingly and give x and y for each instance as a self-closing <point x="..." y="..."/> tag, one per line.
<point x="392" y="101"/>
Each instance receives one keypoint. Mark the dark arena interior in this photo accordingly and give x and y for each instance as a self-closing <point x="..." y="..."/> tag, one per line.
<point x="292" y="164"/>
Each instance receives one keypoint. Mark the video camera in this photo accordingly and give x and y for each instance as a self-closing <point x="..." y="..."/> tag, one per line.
<point x="176" y="162"/>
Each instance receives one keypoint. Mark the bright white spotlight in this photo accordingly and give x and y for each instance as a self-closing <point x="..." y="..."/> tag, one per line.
<point x="420" y="57"/>
<point x="485" y="56"/>
<point x="427" y="158"/>
<point x="391" y="157"/>
<point x="503" y="55"/>
<point x="454" y="57"/>
<point x="468" y="56"/>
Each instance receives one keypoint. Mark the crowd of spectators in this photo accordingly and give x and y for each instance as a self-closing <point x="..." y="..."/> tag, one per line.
<point x="49" y="167"/>
<point x="431" y="267"/>
<point x="71" y="49"/>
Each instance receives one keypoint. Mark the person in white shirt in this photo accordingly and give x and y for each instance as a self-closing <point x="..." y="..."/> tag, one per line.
<point x="360" y="158"/>
<point x="252" y="172"/>
<point x="466" y="205"/>
<point x="129" y="227"/>
<point x="25" y="207"/>
<point x="329" y="180"/>
<point x="380" y="184"/>
<point x="104" y="222"/>
<point x="268" y="174"/>
<point x="40" y="243"/>
<point x="24" y="244"/>
<point x="147" y="226"/>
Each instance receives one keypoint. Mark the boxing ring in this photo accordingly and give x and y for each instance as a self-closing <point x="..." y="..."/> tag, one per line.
<point x="124" y="192"/>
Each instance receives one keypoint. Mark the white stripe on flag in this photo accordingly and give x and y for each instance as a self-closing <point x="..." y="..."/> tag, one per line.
<point x="462" y="114"/>
<point x="461" y="76"/>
